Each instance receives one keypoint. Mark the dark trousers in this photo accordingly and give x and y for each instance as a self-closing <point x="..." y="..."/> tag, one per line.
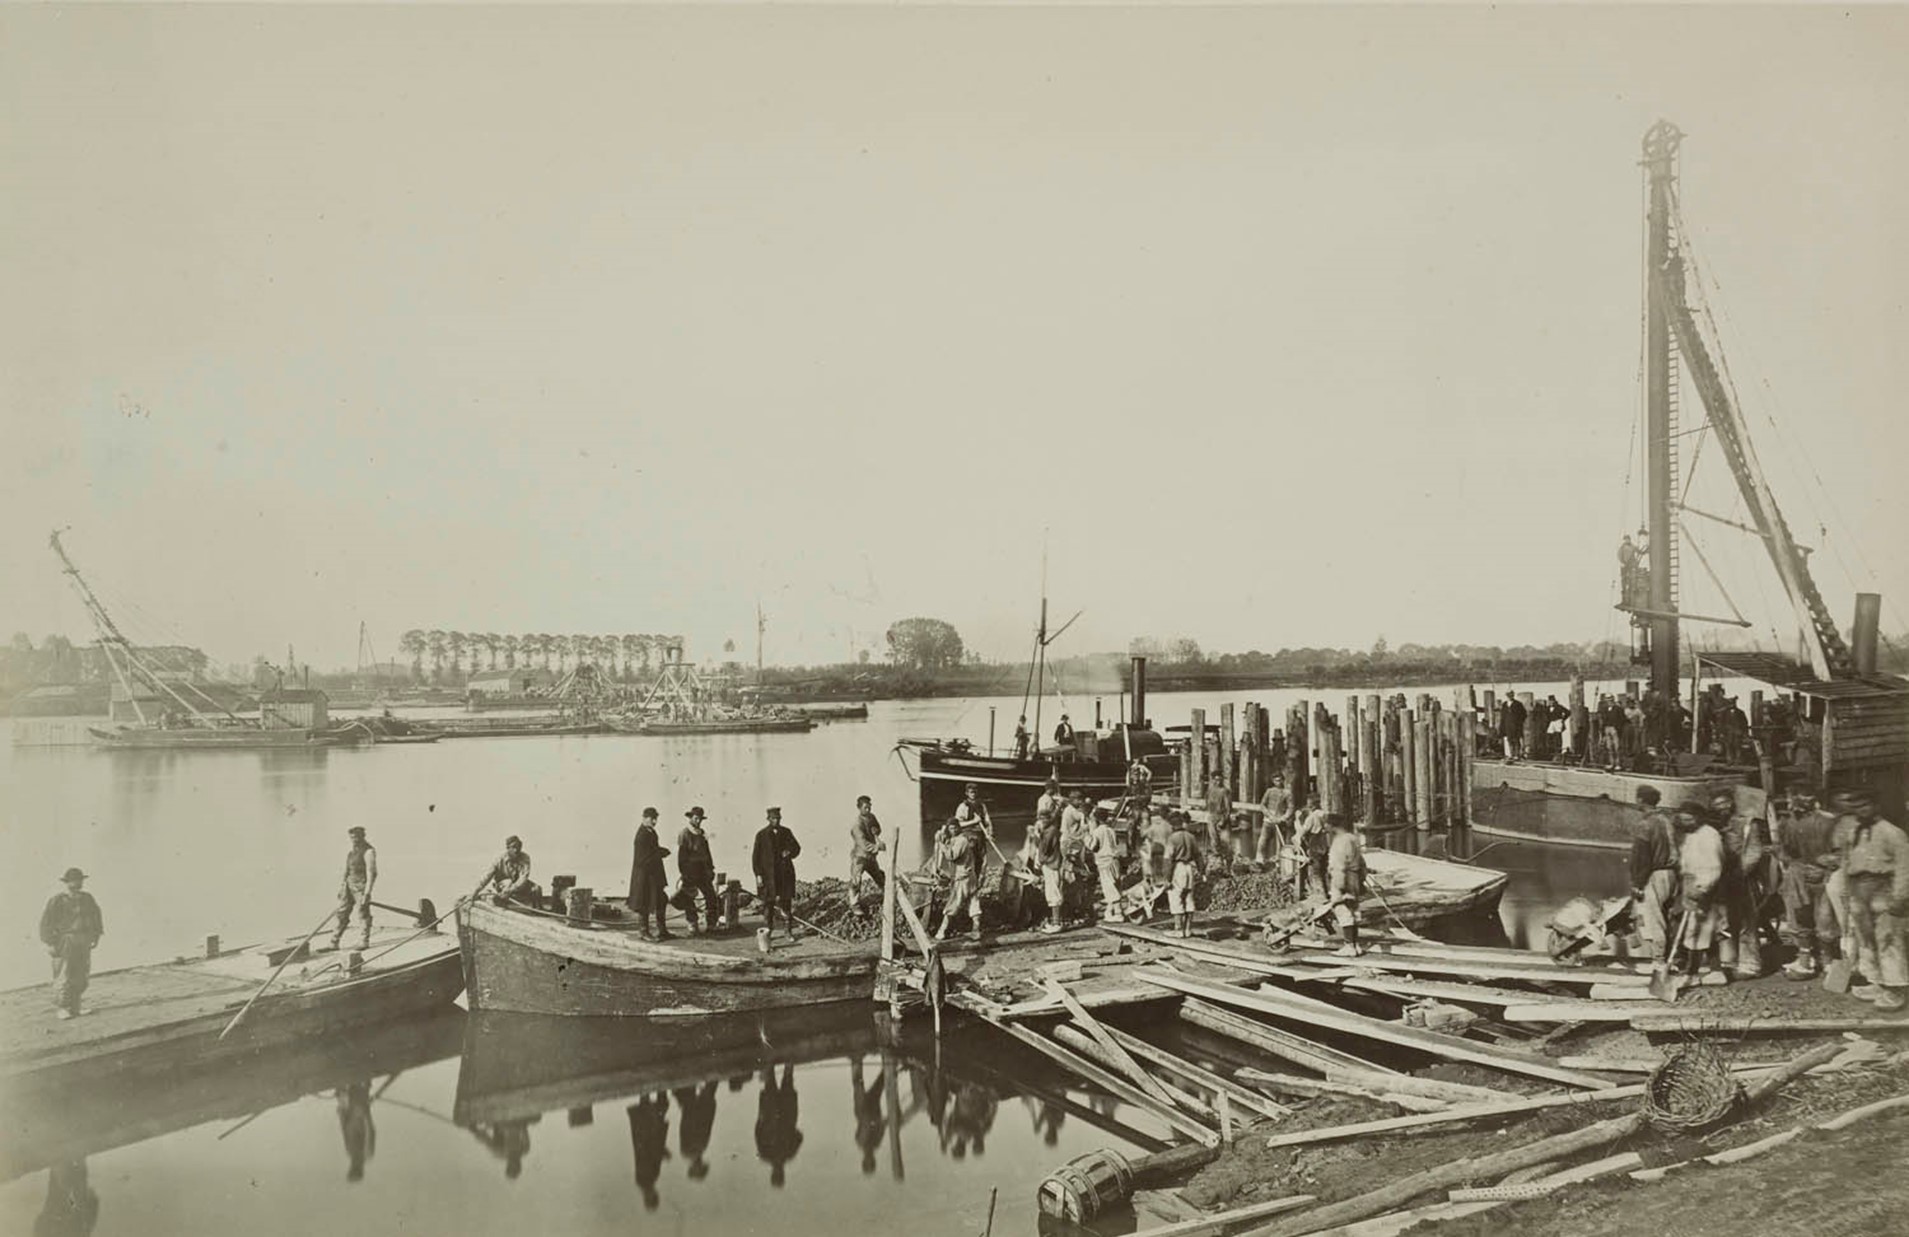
<point x="72" y="968"/>
<point x="771" y="894"/>
<point x="685" y="901"/>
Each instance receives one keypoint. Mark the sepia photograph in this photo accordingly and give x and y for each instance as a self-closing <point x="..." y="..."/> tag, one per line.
<point x="973" y="619"/>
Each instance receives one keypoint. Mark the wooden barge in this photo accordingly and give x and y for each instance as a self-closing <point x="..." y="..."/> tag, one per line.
<point x="166" y="1017"/>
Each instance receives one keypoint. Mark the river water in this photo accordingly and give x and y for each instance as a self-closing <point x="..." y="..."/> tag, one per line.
<point x="248" y="845"/>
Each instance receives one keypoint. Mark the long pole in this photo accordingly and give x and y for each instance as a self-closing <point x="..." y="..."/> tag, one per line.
<point x="1660" y="163"/>
<point x="1040" y="652"/>
<point x="273" y="977"/>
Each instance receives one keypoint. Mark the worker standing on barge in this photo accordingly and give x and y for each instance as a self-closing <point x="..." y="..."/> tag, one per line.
<point x="354" y="888"/>
<point x="774" y="863"/>
<point x="70" y="928"/>
<point x="647" y="880"/>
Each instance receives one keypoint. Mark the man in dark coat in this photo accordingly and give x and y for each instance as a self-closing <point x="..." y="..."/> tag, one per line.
<point x="70" y="927"/>
<point x="1511" y="727"/>
<point x="698" y="869"/>
<point x="774" y="866"/>
<point x="646" y="879"/>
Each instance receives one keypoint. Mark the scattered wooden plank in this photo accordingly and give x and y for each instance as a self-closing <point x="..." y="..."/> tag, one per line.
<point x="1198" y="1074"/>
<point x="1321" y="1086"/>
<point x="1113" y="1083"/>
<point x="1477" y="970"/>
<point x="1091" y="1048"/>
<point x="1276" y="1040"/>
<point x="1444" y="1176"/>
<point x="1489" y="955"/>
<point x="1452" y="1116"/>
<point x="1465" y="994"/>
<point x="1091" y="1025"/>
<point x="1222" y="1219"/>
<point x="1583" y="1011"/>
<point x="1319" y="1013"/>
<point x="1619" y="992"/>
<point x="1699" y="1024"/>
<point x="1337" y="1066"/>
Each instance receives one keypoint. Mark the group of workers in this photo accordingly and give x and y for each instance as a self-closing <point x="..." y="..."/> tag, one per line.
<point x="1639" y="732"/>
<point x="1024" y="738"/>
<point x="1710" y="884"/>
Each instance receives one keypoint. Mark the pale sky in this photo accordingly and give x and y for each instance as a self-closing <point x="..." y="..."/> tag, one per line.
<point x="1292" y="326"/>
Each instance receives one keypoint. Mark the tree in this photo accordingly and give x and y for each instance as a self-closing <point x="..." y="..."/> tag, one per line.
<point x="411" y="644"/>
<point x="1379" y="649"/>
<point x="924" y="644"/>
<point x="1185" y="649"/>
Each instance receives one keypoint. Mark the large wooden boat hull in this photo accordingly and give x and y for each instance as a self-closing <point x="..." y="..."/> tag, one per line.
<point x="210" y="739"/>
<point x="1572" y="805"/>
<point x="157" y="1019"/>
<point x="529" y="962"/>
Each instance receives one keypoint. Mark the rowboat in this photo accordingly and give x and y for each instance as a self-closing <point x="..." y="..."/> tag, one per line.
<point x="168" y="1016"/>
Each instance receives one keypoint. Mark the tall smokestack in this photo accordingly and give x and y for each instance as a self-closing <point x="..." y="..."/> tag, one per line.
<point x="1139" y="719"/>
<point x="1863" y="632"/>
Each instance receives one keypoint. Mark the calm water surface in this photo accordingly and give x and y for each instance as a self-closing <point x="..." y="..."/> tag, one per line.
<point x="492" y="1128"/>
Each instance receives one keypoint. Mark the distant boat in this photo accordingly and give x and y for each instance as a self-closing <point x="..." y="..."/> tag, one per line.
<point x="191" y="716"/>
<point x="721" y="725"/>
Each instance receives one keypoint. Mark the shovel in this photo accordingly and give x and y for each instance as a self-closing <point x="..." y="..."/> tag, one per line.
<point x="1663" y="983"/>
<point x="1837" y="976"/>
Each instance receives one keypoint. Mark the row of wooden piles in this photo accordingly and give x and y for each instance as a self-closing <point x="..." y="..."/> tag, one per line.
<point x="1272" y="1009"/>
<point x="1383" y="761"/>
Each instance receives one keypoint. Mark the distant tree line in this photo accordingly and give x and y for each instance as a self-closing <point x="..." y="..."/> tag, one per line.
<point x="57" y="661"/>
<point x="625" y="657"/>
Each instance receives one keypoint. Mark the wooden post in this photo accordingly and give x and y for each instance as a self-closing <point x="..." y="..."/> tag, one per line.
<point x="1408" y="732"/>
<point x="1196" y="753"/>
<point x="1298" y="746"/>
<point x="1491" y="711"/>
<point x="1227" y="763"/>
<point x="1372" y="769"/>
<point x="1580" y="717"/>
<point x="1422" y="769"/>
<point x="1467" y="752"/>
<point x="888" y="898"/>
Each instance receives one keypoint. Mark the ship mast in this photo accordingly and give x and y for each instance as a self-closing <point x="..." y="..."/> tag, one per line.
<point x="1672" y="335"/>
<point x="1660" y="408"/>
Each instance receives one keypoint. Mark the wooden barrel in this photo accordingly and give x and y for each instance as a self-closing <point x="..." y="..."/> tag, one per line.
<point x="577" y="903"/>
<point x="1087" y="1185"/>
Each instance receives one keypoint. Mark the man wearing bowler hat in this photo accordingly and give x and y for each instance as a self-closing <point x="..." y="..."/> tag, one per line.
<point x="70" y="927"/>
<point x="354" y="888"/>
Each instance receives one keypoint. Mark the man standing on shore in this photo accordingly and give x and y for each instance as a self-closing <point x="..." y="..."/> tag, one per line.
<point x="1183" y="869"/>
<point x="354" y="888"/>
<point x="1653" y="868"/>
<point x="1345" y="875"/>
<point x="70" y="928"/>
<point x="774" y="863"/>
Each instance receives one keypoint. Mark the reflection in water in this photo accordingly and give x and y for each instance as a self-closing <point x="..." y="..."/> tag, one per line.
<point x="649" y="1143"/>
<point x="698" y="1108"/>
<point x="354" y="1122"/>
<point x="72" y="1209"/>
<point x="777" y="1111"/>
<point x="509" y="1141"/>
<point x="870" y="1122"/>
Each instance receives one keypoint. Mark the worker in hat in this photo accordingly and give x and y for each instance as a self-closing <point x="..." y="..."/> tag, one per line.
<point x="509" y="877"/>
<point x="696" y="871"/>
<point x="1050" y="802"/>
<point x="973" y="814"/>
<point x="1345" y="881"/>
<point x="70" y="928"/>
<point x="1064" y="732"/>
<point x="647" y="880"/>
<point x="1183" y="867"/>
<point x="1812" y="858"/>
<point x="774" y="863"/>
<point x="354" y="888"/>
<point x="1023" y="741"/>
<point x="1876" y="893"/>
<point x="864" y="844"/>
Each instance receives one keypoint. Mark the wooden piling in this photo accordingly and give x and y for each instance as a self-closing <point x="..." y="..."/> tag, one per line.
<point x="1196" y="758"/>
<point x="1227" y="763"/>
<point x="1408" y="734"/>
<point x="1467" y="753"/>
<point x="1422" y="770"/>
